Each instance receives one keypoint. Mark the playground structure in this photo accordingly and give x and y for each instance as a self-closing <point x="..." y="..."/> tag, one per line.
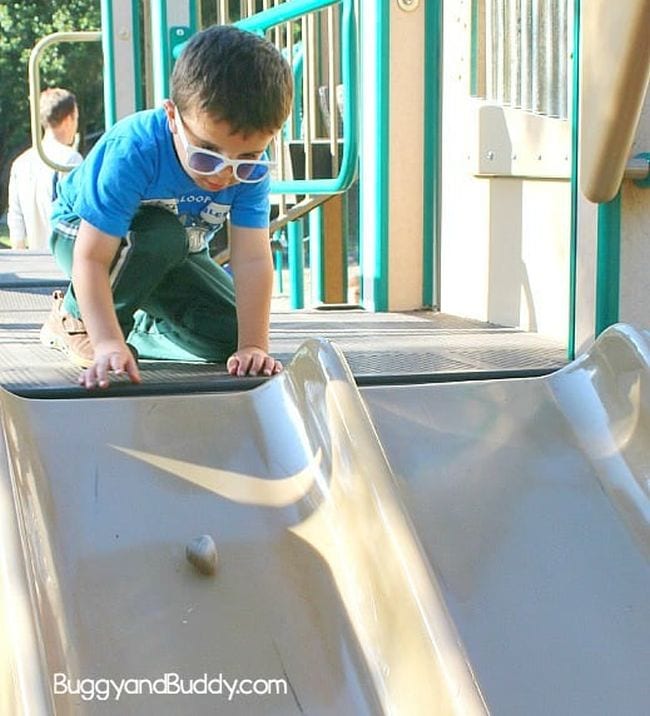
<point x="503" y="113"/>
<point x="461" y="547"/>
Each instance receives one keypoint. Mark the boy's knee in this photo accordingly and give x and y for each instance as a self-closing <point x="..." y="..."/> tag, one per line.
<point x="161" y="229"/>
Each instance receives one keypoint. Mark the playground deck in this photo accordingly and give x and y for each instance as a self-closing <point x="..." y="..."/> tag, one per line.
<point x="388" y="347"/>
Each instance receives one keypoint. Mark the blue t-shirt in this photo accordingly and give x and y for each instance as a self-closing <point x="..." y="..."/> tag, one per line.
<point x="135" y="164"/>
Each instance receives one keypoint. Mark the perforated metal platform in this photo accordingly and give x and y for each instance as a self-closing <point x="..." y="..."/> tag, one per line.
<point x="393" y="347"/>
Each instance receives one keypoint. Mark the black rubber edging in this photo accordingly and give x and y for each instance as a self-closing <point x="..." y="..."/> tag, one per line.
<point x="365" y="381"/>
<point x="230" y="384"/>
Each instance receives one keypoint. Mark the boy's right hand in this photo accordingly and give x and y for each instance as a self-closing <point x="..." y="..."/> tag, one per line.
<point x="110" y="357"/>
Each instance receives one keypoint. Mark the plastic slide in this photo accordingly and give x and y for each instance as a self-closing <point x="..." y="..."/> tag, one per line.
<point x="457" y="548"/>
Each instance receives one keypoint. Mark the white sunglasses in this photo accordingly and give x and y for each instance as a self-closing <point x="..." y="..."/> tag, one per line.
<point x="206" y="163"/>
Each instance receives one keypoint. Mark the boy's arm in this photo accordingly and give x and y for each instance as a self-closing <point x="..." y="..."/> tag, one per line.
<point x="94" y="252"/>
<point x="252" y="266"/>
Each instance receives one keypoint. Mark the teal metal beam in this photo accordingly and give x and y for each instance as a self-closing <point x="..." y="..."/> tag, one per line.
<point x="137" y="55"/>
<point x="575" y="144"/>
<point x="263" y="21"/>
<point x="375" y="167"/>
<point x="160" y="50"/>
<point x="112" y="61"/>
<point x="316" y="254"/>
<point x="193" y="12"/>
<point x="382" y="179"/>
<point x="296" y="260"/>
<point x="167" y="43"/>
<point x="473" y="68"/>
<point x="608" y="259"/>
<point x="608" y="263"/>
<point x="278" y="263"/>
<point x="108" y="30"/>
<point x="432" y="147"/>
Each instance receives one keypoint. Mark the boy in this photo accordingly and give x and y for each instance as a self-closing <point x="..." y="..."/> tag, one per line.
<point x="132" y="222"/>
<point x="31" y="183"/>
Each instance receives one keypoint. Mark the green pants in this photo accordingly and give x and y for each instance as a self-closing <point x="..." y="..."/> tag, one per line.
<point x="171" y="304"/>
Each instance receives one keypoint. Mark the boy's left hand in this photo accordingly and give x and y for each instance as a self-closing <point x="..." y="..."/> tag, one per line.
<point x="252" y="360"/>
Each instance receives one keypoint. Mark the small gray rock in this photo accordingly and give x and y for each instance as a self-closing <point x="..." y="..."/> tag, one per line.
<point x="202" y="553"/>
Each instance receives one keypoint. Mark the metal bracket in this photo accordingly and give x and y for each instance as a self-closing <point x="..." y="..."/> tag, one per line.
<point x="408" y="5"/>
<point x="638" y="169"/>
<point x="178" y="37"/>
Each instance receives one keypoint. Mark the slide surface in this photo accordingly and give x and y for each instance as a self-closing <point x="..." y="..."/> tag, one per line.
<point x="321" y="588"/>
<point x="457" y="548"/>
<point x="531" y="499"/>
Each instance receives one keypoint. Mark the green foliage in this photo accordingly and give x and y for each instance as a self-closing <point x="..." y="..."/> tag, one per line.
<point x="75" y="66"/>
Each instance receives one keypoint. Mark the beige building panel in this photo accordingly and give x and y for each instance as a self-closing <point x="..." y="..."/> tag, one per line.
<point x="635" y="238"/>
<point x="635" y="256"/>
<point x="406" y="157"/>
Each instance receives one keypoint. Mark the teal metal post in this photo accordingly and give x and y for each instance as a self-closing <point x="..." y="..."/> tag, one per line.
<point x="608" y="263"/>
<point x="160" y="50"/>
<point x="432" y="144"/>
<point x="193" y="11"/>
<point x="114" y="63"/>
<point x="375" y="169"/>
<point x="278" y="262"/>
<point x="296" y="258"/>
<point x="295" y="249"/>
<point x="168" y="42"/>
<point x="609" y="226"/>
<point x="108" y="28"/>
<point x="345" y="246"/>
<point x="575" y="143"/>
<point x="316" y="262"/>
<point x="285" y="12"/>
<point x="382" y="179"/>
<point x="137" y="54"/>
<point x="473" y="76"/>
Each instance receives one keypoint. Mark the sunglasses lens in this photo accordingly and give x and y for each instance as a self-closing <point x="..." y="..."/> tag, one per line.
<point x="208" y="163"/>
<point x="251" y="172"/>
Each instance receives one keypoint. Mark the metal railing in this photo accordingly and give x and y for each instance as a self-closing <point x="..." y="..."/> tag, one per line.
<point x="317" y="151"/>
<point x="35" y="86"/>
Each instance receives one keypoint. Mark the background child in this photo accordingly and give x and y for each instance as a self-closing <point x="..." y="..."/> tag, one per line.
<point x="132" y="223"/>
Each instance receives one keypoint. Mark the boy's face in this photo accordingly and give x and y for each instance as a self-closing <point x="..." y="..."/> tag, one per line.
<point x="204" y="132"/>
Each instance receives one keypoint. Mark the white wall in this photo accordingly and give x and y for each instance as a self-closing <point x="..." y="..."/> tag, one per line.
<point x="505" y="239"/>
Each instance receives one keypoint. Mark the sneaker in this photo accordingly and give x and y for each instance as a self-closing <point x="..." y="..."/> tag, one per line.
<point x="67" y="334"/>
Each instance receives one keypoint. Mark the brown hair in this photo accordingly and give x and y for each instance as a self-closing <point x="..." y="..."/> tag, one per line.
<point x="234" y="76"/>
<point x="55" y="105"/>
